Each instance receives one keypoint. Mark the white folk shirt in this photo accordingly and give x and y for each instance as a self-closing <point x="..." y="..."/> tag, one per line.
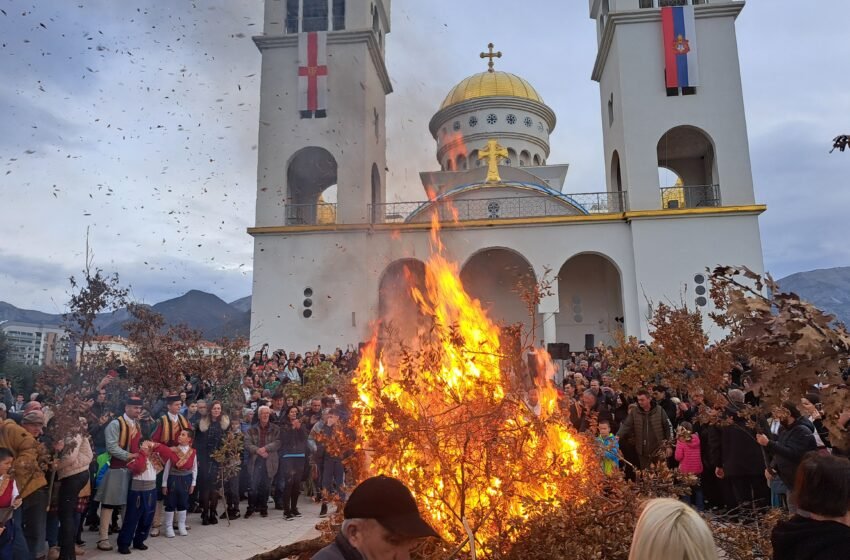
<point x="183" y="449"/>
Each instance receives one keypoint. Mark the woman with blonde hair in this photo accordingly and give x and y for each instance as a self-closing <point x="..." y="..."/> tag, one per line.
<point x="671" y="530"/>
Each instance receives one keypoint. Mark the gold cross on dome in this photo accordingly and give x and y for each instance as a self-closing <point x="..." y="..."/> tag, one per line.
<point x="491" y="55"/>
<point x="493" y="153"/>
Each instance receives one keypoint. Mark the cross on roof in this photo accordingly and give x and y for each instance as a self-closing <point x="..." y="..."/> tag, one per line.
<point x="491" y="55"/>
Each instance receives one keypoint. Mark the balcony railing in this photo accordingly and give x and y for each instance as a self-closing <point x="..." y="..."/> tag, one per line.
<point x="310" y="214"/>
<point x="690" y="196"/>
<point x="499" y="208"/>
<point x="665" y="3"/>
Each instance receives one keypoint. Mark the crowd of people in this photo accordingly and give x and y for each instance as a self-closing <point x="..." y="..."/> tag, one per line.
<point x="738" y="457"/>
<point x="139" y="470"/>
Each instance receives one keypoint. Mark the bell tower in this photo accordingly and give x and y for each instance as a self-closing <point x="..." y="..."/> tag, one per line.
<point x="322" y="142"/>
<point x="672" y="103"/>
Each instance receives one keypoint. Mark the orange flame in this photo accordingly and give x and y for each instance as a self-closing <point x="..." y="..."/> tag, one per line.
<point x="449" y="420"/>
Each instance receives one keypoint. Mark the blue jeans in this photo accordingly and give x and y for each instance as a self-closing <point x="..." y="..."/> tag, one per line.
<point x="697" y="498"/>
<point x="138" y="518"/>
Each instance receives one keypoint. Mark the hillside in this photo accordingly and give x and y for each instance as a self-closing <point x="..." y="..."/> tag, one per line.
<point x="828" y="289"/>
<point x="204" y="312"/>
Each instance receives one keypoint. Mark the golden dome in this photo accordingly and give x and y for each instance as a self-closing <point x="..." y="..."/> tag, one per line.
<point x="491" y="84"/>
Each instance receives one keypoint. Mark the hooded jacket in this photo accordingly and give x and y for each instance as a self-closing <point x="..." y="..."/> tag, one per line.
<point x="689" y="455"/>
<point x="801" y="538"/>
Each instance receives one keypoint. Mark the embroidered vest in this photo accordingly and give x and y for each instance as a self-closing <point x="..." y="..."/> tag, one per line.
<point x="185" y="462"/>
<point x="6" y="487"/>
<point x="128" y="440"/>
<point x="168" y="431"/>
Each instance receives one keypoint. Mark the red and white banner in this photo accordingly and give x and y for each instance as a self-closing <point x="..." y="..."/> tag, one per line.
<point x="312" y="73"/>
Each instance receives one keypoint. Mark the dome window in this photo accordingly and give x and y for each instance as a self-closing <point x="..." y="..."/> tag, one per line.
<point x="511" y="119"/>
<point x="492" y="118"/>
<point x="456" y="125"/>
<point x="528" y="122"/>
<point x="473" y="120"/>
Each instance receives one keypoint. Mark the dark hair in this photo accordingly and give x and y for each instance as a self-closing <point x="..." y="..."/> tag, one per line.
<point x="643" y="392"/>
<point x="191" y="433"/>
<point x="792" y="409"/>
<point x="5" y="453"/>
<point x="822" y="485"/>
<point x="812" y="397"/>
<point x="605" y="422"/>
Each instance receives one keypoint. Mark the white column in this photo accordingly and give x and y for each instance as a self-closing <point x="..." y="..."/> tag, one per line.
<point x="550" y="334"/>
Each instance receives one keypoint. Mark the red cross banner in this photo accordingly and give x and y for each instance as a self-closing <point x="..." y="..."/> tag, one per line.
<point x="312" y="74"/>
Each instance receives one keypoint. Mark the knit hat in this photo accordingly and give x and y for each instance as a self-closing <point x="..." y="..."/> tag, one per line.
<point x="33" y="417"/>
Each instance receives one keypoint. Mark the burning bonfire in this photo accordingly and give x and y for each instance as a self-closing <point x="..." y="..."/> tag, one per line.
<point x="446" y="414"/>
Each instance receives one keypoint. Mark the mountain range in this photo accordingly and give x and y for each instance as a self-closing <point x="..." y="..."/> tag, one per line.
<point x="828" y="289"/>
<point x="207" y="313"/>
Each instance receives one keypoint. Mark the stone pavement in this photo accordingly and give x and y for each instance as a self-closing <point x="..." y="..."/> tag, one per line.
<point x="241" y="540"/>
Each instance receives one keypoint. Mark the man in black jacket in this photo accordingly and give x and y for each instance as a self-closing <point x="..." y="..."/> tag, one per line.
<point x="381" y="520"/>
<point x="740" y="459"/>
<point x="793" y="442"/>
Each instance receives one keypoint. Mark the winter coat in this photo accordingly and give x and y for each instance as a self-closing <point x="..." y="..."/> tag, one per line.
<point x="75" y="458"/>
<point x="293" y="441"/>
<point x="739" y="454"/>
<point x="689" y="455"/>
<point x="789" y="447"/>
<point x="252" y="444"/>
<point x="801" y="538"/>
<point x="209" y="436"/>
<point x="649" y="429"/>
<point x="28" y="475"/>
<point x="610" y="453"/>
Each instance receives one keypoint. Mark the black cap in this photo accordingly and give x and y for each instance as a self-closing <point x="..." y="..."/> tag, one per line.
<point x="388" y="501"/>
<point x="134" y="400"/>
<point x="172" y="398"/>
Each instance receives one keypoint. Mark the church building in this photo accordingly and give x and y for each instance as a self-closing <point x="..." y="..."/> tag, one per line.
<point x="670" y="98"/>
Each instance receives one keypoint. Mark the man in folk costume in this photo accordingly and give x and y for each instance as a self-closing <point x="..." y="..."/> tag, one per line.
<point x="123" y="438"/>
<point x="178" y="480"/>
<point x="168" y="429"/>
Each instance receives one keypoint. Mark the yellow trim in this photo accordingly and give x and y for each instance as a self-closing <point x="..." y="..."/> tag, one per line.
<point x="541" y="220"/>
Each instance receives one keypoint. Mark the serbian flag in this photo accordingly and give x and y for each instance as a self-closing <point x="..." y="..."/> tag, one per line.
<point x="680" y="46"/>
<point x="312" y="74"/>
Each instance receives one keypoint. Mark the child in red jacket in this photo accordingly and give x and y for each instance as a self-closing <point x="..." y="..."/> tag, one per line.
<point x="689" y="456"/>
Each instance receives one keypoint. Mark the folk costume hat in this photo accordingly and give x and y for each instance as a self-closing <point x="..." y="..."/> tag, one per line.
<point x="389" y="502"/>
<point x="173" y="398"/>
<point x="134" y="400"/>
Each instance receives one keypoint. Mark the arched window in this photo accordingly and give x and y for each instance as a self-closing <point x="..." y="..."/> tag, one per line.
<point x="449" y="165"/>
<point x="616" y="173"/>
<point x="377" y="197"/>
<point x="686" y="158"/>
<point x="315" y="15"/>
<point x="524" y="158"/>
<point x="511" y="157"/>
<point x="461" y="162"/>
<point x="311" y="187"/>
<point x="338" y="14"/>
<point x="292" y="16"/>
<point x="536" y="159"/>
<point x="473" y="157"/>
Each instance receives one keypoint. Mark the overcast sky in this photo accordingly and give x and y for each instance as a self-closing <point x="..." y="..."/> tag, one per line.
<point x="138" y="120"/>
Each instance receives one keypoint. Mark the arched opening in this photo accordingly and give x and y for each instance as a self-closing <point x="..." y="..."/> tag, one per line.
<point x="499" y="278"/>
<point x="590" y="301"/>
<point x="450" y="164"/>
<point x="536" y="159"/>
<point x="616" y="173"/>
<point x="311" y="187"/>
<point x="375" y="21"/>
<point x="461" y="162"/>
<point x="398" y="312"/>
<point x="377" y="198"/>
<point x="512" y="160"/>
<point x="524" y="158"/>
<point x="687" y="153"/>
<point x="473" y="157"/>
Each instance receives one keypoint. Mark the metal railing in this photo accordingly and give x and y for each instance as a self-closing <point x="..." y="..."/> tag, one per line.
<point x="690" y="196"/>
<point x="497" y="208"/>
<point x="323" y="213"/>
<point x="665" y="3"/>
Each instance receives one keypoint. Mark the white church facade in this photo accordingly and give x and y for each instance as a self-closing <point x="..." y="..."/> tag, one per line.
<point x="324" y="272"/>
